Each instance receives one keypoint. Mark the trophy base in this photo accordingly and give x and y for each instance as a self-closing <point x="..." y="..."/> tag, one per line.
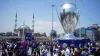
<point x="69" y="36"/>
<point x="70" y="39"/>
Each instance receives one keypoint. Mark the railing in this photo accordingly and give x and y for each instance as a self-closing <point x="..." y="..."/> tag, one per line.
<point x="8" y="37"/>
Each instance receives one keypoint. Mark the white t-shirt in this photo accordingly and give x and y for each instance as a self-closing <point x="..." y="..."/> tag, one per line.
<point x="29" y="51"/>
<point x="44" y="51"/>
<point x="67" y="52"/>
<point x="55" y="55"/>
<point x="96" y="43"/>
<point x="63" y="52"/>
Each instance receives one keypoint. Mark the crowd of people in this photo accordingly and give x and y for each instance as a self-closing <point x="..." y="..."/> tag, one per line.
<point x="91" y="49"/>
<point x="24" y="48"/>
<point x="37" y="49"/>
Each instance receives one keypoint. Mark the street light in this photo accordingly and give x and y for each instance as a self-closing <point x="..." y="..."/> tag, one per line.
<point x="52" y="16"/>
<point x="52" y="20"/>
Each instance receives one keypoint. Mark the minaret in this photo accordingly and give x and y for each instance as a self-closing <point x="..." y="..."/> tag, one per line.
<point x="15" y="30"/>
<point x="33" y="25"/>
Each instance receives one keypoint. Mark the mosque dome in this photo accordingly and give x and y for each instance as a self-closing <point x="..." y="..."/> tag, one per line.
<point x="24" y="27"/>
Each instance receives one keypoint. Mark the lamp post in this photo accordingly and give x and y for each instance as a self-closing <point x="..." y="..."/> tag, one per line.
<point x="52" y="21"/>
<point x="33" y="26"/>
<point x="52" y="16"/>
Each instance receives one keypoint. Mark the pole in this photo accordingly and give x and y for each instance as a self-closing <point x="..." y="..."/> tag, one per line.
<point x="33" y="25"/>
<point x="52" y="16"/>
<point x="52" y="22"/>
<point x="15" y="22"/>
<point x="57" y="14"/>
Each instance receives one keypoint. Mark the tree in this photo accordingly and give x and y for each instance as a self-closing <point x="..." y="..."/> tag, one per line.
<point x="53" y="33"/>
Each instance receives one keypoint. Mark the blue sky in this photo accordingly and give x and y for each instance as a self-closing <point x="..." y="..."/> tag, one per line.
<point x="88" y="10"/>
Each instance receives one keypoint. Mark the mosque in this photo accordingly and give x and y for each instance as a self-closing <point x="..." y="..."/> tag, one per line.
<point x="20" y="32"/>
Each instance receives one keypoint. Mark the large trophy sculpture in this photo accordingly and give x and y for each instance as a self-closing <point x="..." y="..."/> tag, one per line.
<point x="69" y="18"/>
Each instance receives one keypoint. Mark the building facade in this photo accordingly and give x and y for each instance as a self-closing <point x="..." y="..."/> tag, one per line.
<point x="91" y="32"/>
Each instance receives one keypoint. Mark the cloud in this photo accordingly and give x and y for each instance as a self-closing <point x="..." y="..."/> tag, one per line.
<point x="40" y="26"/>
<point x="46" y="26"/>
